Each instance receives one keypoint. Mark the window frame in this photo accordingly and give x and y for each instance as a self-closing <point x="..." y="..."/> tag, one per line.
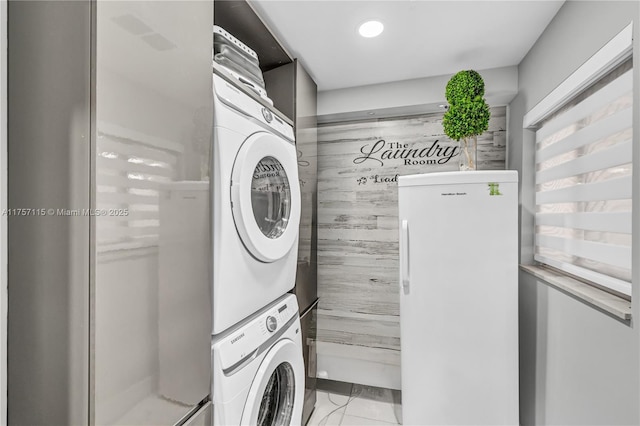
<point x="614" y="53"/>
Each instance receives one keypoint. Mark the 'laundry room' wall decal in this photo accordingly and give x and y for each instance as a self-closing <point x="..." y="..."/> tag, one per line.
<point x="408" y="154"/>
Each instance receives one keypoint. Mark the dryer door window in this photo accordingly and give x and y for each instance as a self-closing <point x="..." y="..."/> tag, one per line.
<point x="265" y="196"/>
<point x="271" y="197"/>
<point x="277" y="392"/>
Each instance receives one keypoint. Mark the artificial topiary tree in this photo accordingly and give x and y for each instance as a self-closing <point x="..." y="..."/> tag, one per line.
<point x="468" y="114"/>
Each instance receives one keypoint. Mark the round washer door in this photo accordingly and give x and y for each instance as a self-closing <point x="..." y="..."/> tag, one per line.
<point x="277" y="392"/>
<point x="265" y="196"/>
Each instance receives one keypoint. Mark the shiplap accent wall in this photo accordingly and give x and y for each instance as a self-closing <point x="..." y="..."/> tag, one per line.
<point x="358" y="316"/>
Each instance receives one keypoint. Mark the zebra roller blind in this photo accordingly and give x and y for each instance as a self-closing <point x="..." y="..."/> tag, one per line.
<point x="583" y="184"/>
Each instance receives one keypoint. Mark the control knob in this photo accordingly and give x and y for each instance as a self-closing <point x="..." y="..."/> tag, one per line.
<point x="268" y="117"/>
<point x="272" y="323"/>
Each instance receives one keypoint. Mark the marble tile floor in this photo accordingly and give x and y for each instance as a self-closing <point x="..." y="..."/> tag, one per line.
<point x="349" y="404"/>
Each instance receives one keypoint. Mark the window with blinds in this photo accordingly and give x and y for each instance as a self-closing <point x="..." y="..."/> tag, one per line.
<point x="131" y="169"/>
<point x="583" y="184"/>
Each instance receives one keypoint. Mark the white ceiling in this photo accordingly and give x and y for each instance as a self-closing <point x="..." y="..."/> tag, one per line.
<point x="421" y="38"/>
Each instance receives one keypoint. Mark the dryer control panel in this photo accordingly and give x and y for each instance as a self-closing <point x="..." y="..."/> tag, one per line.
<point x="257" y="333"/>
<point x="234" y="98"/>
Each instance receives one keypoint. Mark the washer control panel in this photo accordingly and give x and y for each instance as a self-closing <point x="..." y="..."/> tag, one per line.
<point x="255" y="332"/>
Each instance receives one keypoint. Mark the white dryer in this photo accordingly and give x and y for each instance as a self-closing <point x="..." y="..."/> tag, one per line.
<point x="256" y="205"/>
<point x="258" y="369"/>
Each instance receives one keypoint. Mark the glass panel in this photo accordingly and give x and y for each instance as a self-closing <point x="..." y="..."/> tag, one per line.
<point x="276" y="407"/>
<point x="270" y="197"/>
<point x="152" y="306"/>
<point x="307" y="147"/>
<point x="599" y="267"/>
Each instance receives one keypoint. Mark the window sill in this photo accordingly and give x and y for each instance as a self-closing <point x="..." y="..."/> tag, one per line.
<point x="611" y="304"/>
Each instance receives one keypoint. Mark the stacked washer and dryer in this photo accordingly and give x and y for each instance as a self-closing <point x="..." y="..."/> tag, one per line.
<point x="257" y="363"/>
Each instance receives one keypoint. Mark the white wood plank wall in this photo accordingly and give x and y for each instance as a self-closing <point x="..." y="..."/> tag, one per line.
<point x="358" y="222"/>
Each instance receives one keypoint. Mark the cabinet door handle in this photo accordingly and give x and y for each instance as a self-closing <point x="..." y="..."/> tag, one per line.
<point x="404" y="255"/>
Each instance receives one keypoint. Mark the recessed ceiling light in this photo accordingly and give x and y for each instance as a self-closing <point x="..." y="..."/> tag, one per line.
<point x="371" y="29"/>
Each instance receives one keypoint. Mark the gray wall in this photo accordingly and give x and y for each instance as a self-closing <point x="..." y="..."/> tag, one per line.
<point x="49" y="71"/>
<point x="577" y="365"/>
<point x="3" y="220"/>
<point x="408" y="97"/>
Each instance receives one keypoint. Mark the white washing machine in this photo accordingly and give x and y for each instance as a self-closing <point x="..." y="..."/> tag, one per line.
<point x="256" y="206"/>
<point x="258" y="369"/>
